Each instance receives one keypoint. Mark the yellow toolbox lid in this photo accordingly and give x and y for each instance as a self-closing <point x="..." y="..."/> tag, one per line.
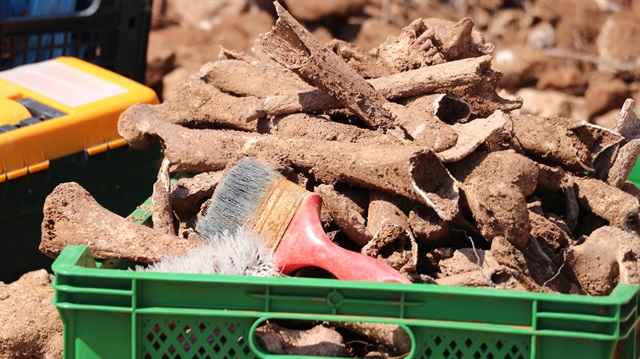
<point x="12" y="112"/>
<point x="72" y="106"/>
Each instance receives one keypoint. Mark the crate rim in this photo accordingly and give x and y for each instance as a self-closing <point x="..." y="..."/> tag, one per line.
<point x="67" y="264"/>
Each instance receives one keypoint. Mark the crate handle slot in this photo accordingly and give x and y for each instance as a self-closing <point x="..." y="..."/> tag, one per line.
<point x="404" y="335"/>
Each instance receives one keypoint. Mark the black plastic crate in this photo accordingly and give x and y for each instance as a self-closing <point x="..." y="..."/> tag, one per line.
<point x="113" y="34"/>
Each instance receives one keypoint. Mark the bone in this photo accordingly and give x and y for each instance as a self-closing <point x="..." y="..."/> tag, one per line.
<point x="508" y="255"/>
<point x="73" y="217"/>
<point x="619" y="208"/>
<point x="395" y="247"/>
<point x="276" y="80"/>
<point x="386" y="210"/>
<point x="560" y="140"/>
<point x="188" y="193"/>
<point x="320" y="128"/>
<point x="388" y="222"/>
<point x="471" y="135"/>
<point x="412" y="172"/>
<point x="627" y="122"/>
<point x="495" y="191"/>
<point x="446" y="108"/>
<point x="161" y="208"/>
<point x="291" y="45"/>
<point x="392" y="336"/>
<point x="347" y="215"/>
<point x="201" y="105"/>
<point x="428" y="228"/>
<point x="317" y="341"/>
<point x="595" y="262"/>
<point x="626" y="159"/>
<point x="616" y="162"/>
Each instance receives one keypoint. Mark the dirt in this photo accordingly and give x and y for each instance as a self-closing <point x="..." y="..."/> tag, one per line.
<point x="31" y="326"/>
<point x="496" y="197"/>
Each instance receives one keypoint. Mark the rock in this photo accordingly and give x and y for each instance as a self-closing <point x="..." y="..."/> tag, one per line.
<point x="605" y="93"/>
<point x="618" y="40"/>
<point x="541" y="35"/>
<point x="204" y="14"/>
<point x="307" y="11"/>
<point x="551" y="103"/>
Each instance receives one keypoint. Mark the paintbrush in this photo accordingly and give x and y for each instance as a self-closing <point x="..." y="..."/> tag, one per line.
<point x="288" y="217"/>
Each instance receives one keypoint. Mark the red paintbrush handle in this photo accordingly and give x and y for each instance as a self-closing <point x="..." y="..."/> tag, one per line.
<point x="305" y="244"/>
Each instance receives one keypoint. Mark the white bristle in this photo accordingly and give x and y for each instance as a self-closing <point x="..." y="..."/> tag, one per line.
<point x="241" y="253"/>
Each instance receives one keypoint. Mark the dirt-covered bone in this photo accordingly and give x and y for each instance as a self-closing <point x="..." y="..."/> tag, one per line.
<point x="608" y="256"/>
<point x="445" y="107"/>
<point x="619" y="208"/>
<point x="321" y="128"/>
<point x="73" y="217"/>
<point x="471" y="135"/>
<point x="275" y="83"/>
<point x="559" y="140"/>
<point x="188" y="193"/>
<point x="392" y="241"/>
<point x="317" y="341"/>
<point x="346" y="213"/>
<point x="495" y="191"/>
<point x="615" y="164"/>
<point x="161" y="208"/>
<point x="395" y="339"/>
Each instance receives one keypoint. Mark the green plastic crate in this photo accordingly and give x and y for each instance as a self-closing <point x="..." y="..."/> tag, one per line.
<point x="116" y="313"/>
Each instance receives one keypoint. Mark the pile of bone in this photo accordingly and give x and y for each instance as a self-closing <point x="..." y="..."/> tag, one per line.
<point x="419" y="161"/>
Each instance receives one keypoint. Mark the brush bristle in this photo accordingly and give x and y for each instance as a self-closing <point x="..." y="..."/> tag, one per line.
<point x="237" y="198"/>
<point x="244" y="253"/>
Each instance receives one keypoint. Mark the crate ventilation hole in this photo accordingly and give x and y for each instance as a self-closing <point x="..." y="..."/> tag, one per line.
<point x="439" y="346"/>
<point x="171" y="339"/>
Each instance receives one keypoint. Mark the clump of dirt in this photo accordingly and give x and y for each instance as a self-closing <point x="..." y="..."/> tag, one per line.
<point x="31" y="327"/>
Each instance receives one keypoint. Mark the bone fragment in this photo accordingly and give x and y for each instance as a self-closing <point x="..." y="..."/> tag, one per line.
<point x="268" y="78"/>
<point x="495" y="190"/>
<point x="444" y="107"/>
<point x="188" y="193"/>
<point x="320" y="128"/>
<point x="626" y="159"/>
<point x="428" y="228"/>
<point x="627" y="123"/>
<point x="615" y="163"/>
<point x="471" y="135"/>
<point x="196" y="104"/>
<point x="387" y="220"/>
<point x="607" y="257"/>
<point x="392" y="336"/>
<point x="410" y="83"/>
<point x="347" y="215"/>
<point x="73" y="217"/>
<point x="385" y="209"/>
<point x="317" y="341"/>
<point x="570" y="143"/>
<point x="619" y="208"/>
<point x="161" y="208"/>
